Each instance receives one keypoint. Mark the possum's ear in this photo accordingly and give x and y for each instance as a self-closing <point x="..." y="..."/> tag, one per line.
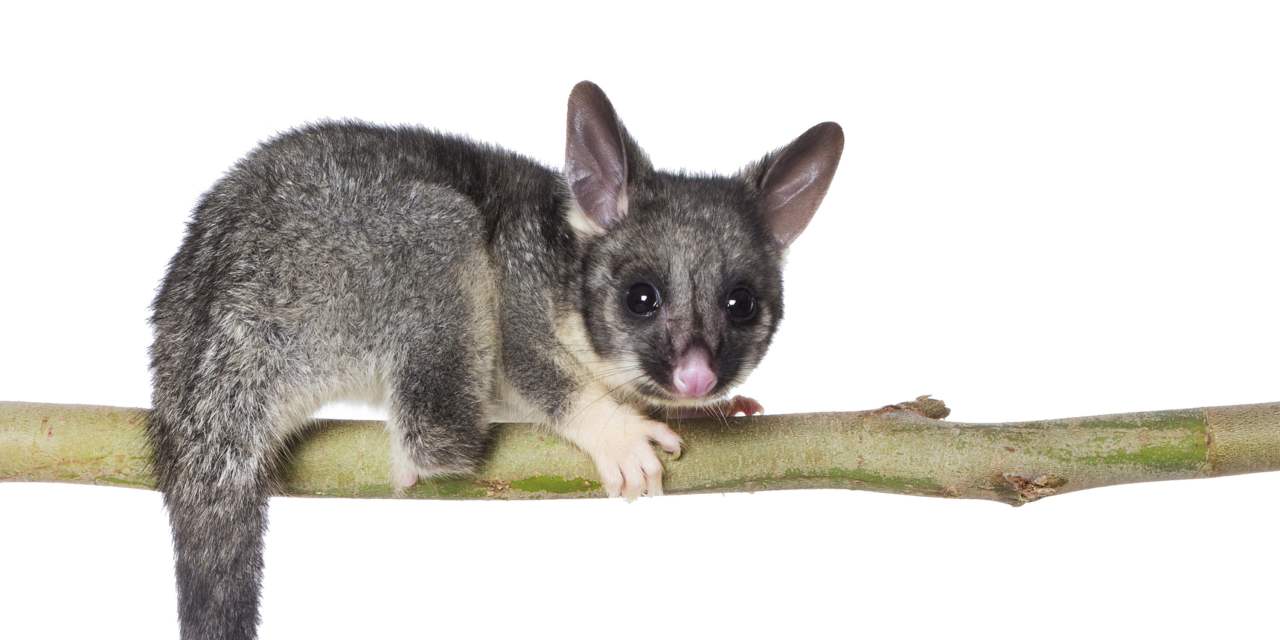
<point x="792" y="180"/>
<point x="595" y="158"/>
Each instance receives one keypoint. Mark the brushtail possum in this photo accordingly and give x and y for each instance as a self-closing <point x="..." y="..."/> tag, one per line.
<point x="461" y="284"/>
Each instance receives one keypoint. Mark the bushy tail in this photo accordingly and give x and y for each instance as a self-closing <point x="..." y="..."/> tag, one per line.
<point x="214" y="475"/>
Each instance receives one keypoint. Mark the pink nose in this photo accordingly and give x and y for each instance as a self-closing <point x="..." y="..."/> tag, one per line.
<point x="693" y="377"/>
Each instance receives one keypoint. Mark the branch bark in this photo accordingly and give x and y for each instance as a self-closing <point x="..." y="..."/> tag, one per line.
<point x="898" y="449"/>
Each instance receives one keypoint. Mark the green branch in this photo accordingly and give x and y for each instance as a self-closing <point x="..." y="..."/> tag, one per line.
<point x="898" y="449"/>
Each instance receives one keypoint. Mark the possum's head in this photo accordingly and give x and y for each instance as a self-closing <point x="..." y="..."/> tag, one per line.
<point x="682" y="274"/>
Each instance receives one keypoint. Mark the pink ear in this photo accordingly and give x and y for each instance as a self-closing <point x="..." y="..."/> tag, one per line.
<point x="595" y="158"/>
<point x="796" y="178"/>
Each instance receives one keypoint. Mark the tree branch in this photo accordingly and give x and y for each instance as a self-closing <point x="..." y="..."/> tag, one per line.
<point x="898" y="449"/>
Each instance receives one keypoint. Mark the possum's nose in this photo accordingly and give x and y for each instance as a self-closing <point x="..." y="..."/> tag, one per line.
<point x="693" y="377"/>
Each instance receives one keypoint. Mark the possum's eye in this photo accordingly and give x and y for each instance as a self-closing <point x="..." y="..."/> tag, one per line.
<point x="643" y="299"/>
<point x="740" y="304"/>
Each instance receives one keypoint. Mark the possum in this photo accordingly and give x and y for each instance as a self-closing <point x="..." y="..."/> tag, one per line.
<point x="461" y="284"/>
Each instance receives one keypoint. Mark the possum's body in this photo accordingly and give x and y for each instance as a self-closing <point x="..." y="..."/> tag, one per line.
<point x="341" y="260"/>
<point x="459" y="283"/>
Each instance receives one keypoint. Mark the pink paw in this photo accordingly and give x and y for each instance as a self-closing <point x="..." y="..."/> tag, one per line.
<point x="744" y="405"/>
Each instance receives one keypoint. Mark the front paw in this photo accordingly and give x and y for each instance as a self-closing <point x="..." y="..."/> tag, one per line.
<point x="744" y="405"/>
<point x="624" y="455"/>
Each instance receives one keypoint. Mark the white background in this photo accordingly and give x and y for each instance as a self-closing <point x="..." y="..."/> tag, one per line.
<point x="1044" y="210"/>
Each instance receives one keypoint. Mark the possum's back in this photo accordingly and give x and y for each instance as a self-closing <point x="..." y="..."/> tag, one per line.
<point x="337" y="237"/>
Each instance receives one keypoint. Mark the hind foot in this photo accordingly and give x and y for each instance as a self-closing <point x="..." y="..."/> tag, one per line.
<point x="405" y="472"/>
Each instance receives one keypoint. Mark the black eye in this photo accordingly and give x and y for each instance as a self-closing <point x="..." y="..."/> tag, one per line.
<point x="643" y="299"/>
<point x="740" y="304"/>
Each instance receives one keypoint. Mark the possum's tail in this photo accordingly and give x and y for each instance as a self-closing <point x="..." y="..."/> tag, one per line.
<point x="213" y="468"/>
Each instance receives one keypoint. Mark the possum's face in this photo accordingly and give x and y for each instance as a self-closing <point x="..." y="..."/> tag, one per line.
<point x="682" y="297"/>
<point x="681" y="275"/>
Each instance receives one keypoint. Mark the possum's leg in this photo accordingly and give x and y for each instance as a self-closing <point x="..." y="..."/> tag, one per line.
<point x="216" y="484"/>
<point x="438" y="421"/>
<point x="549" y="366"/>
<point x="437" y="424"/>
<point x="620" y="442"/>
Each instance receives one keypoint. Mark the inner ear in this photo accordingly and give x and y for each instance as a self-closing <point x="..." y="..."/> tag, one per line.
<point x="795" y="178"/>
<point x="595" y="158"/>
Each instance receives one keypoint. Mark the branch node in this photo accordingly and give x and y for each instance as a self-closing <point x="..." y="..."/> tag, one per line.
<point x="494" y="488"/>
<point x="923" y="406"/>
<point x="1032" y="489"/>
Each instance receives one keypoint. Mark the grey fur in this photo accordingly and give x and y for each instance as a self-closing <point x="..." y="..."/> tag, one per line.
<point x="430" y="271"/>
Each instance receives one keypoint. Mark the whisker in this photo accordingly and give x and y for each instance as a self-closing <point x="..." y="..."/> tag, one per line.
<point x="608" y="392"/>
